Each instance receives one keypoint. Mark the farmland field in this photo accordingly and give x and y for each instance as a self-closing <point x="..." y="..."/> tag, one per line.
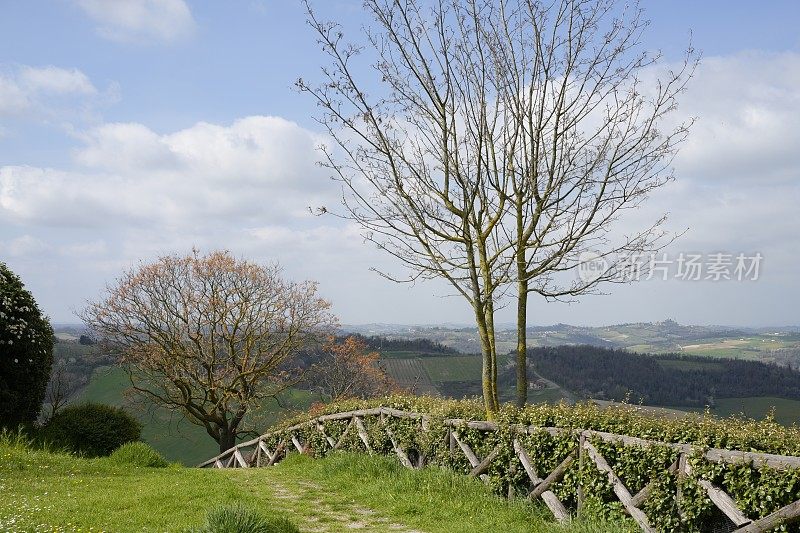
<point x="74" y="350"/>
<point x="410" y="375"/>
<point x="786" y="411"/>
<point x="453" y="368"/>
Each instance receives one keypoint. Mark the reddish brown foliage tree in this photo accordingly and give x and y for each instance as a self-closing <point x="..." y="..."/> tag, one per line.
<point x="210" y="336"/>
<point x="348" y="370"/>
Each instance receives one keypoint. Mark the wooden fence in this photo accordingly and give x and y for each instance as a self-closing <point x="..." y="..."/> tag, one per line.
<point x="256" y="453"/>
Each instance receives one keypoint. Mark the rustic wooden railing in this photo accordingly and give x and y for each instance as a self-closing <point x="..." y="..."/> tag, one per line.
<point x="256" y="453"/>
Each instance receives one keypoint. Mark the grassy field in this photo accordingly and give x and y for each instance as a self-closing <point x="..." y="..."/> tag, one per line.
<point x="61" y="493"/>
<point x="170" y="434"/>
<point x="786" y="412"/>
<point x="453" y="368"/>
<point x="410" y="375"/>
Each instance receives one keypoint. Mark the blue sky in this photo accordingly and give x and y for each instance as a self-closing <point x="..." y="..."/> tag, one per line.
<point x="97" y="97"/>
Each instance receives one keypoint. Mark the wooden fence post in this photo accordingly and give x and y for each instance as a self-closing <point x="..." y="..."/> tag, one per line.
<point x="581" y="454"/>
<point x="679" y="491"/>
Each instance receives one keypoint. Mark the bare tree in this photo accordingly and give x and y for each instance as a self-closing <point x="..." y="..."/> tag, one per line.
<point x="347" y="370"/>
<point x="586" y="109"/>
<point x="505" y="139"/>
<point x="60" y="389"/>
<point x="419" y="164"/>
<point x="210" y="336"/>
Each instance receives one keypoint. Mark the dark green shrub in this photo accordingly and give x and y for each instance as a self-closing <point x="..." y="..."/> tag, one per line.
<point x="26" y="352"/>
<point x="239" y="519"/>
<point x="91" y="429"/>
<point x="138" y="454"/>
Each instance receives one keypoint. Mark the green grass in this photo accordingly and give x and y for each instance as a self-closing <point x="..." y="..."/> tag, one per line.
<point x="166" y="431"/>
<point x="787" y="412"/>
<point x="548" y="395"/>
<point x="58" y="492"/>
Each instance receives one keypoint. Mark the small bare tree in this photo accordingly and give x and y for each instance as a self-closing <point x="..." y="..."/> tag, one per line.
<point x="60" y="389"/>
<point x="210" y="336"/>
<point x="347" y="370"/>
<point x="504" y="139"/>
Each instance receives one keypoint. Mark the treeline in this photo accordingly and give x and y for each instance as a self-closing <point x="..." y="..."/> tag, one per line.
<point x="664" y="379"/>
<point x="381" y="343"/>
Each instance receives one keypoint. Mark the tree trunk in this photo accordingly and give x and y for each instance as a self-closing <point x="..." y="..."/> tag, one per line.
<point x="227" y="440"/>
<point x="522" y="343"/>
<point x="493" y="359"/>
<point x="488" y="370"/>
<point x="522" y="305"/>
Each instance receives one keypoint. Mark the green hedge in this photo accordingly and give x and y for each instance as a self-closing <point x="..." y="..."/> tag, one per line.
<point x="91" y="429"/>
<point x="758" y="491"/>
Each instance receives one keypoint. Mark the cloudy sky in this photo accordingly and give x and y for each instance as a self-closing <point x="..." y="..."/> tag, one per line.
<point x="134" y="128"/>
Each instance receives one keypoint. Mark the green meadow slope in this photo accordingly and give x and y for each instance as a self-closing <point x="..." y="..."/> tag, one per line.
<point x="60" y="493"/>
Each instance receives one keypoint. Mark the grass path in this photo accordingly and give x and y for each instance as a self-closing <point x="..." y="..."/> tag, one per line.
<point x="320" y="515"/>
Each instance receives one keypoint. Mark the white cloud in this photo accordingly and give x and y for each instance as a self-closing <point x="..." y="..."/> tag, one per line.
<point x="258" y="168"/>
<point x="23" y="246"/>
<point x="56" y="80"/>
<point x="141" y="21"/>
<point x="45" y="91"/>
<point x="748" y="108"/>
<point x="134" y="193"/>
<point x="13" y="99"/>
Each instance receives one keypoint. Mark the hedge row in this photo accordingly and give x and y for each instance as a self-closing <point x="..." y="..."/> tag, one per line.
<point x="757" y="491"/>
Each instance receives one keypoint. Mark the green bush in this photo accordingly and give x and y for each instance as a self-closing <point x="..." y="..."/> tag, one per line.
<point x="138" y="454"/>
<point x="757" y="490"/>
<point x="239" y="519"/>
<point x="91" y="429"/>
<point x="26" y="352"/>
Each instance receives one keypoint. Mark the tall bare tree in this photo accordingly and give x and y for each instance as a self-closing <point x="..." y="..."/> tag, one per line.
<point x="503" y="140"/>
<point x="419" y="163"/>
<point x="587" y="107"/>
<point x="210" y="336"/>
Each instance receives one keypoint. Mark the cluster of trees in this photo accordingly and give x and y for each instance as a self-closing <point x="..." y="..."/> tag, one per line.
<point x="498" y="146"/>
<point x="423" y="346"/>
<point x="664" y="379"/>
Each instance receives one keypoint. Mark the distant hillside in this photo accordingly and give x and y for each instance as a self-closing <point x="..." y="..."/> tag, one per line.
<point x="780" y="345"/>
<point x="662" y="379"/>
